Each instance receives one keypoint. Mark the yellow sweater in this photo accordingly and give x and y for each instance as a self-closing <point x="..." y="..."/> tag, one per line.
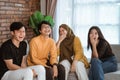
<point x="79" y="54"/>
<point x="40" y="49"/>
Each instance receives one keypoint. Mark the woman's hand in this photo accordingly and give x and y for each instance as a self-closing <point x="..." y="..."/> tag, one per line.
<point x="93" y="41"/>
<point x="62" y="37"/>
<point x="73" y="66"/>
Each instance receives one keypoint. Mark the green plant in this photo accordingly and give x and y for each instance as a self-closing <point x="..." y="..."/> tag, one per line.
<point x="36" y="18"/>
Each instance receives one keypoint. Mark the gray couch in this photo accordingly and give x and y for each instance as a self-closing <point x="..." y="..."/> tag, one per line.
<point x="115" y="75"/>
<point x="111" y="75"/>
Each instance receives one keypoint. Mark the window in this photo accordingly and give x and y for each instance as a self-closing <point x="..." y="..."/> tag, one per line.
<point x="80" y="15"/>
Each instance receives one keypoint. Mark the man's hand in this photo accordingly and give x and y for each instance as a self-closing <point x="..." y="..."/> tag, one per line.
<point x="34" y="73"/>
<point x="55" y="71"/>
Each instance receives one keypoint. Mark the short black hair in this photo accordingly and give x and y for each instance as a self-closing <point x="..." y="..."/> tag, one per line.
<point x="43" y="22"/>
<point x="16" y="26"/>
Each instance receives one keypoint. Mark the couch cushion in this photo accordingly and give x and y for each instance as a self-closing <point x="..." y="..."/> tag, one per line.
<point x="118" y="66"/>
<point x="116" y="51"/>
<point x="113" y="76"/>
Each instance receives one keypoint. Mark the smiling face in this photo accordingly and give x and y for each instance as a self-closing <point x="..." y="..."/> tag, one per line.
<point x="19" y="35"/>
<point x="62" y="31"/>
<point x="45" y="30"/>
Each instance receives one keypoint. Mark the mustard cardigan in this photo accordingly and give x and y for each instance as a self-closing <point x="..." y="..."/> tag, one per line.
<point x="79" y="54"/>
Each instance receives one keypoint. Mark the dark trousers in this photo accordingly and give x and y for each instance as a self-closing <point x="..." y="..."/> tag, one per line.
<point x="49" y="73"/>
<point x="61" y="72"/>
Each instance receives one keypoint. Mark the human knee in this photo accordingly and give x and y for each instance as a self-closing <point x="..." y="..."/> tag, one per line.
<point x="61" y="68"/>
<point x="40" y="69"/>
<point x="95" y="60"/>
<point x="66" y="64"/>
<point x="79" y="64"/>
<point x="28" y="72"/>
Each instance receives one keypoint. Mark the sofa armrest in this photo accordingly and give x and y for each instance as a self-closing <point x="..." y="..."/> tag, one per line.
<point x="116" y="51"/>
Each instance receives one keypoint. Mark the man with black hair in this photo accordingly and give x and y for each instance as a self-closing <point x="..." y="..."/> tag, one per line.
<point x="13" y="57"/>
<point x="43" y="49"/>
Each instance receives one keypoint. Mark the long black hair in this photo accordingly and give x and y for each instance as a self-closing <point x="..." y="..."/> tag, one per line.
<point x="100" y="35"/>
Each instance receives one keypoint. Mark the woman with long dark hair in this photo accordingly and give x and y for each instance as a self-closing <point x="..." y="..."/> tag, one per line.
<point x="103" y="59"/>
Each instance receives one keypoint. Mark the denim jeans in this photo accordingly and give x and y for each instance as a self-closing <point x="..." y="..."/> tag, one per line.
<point x="99" y="68"/>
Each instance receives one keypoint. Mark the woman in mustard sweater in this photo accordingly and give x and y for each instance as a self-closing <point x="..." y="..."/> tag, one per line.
<point x="103" y="60"/>
<point x="70" y="52"/>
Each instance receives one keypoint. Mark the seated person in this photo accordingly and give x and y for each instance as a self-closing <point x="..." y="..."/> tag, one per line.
<point x="42" y="49"/>
<point x="12" y="55"/>
<point x="103" y="59"/>
<point x="71" y="55"/>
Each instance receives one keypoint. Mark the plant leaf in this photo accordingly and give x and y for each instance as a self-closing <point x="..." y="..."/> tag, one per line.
<point x="49" y="19"/>
<point x="36" y="18"/>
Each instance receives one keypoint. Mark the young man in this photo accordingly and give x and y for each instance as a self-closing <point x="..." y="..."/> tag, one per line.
<point x="13" y="53"/>
<point x="42" y="48"/>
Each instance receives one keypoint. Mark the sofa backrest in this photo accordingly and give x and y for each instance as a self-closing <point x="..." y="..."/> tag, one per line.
<point x="116" y="51"/>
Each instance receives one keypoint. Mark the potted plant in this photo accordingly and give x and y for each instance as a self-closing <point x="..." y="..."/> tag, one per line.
<point x="36" y="18"/>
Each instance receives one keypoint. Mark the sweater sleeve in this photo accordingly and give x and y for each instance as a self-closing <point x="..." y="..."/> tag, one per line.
<point x="53" y="53"/>
<point x="58" y="52"/>
<point x="32" y="56"/>
<point x="78" y="49"/>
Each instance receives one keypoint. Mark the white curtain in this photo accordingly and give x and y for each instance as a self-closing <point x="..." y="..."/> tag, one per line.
<point x="82" y="14"/>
